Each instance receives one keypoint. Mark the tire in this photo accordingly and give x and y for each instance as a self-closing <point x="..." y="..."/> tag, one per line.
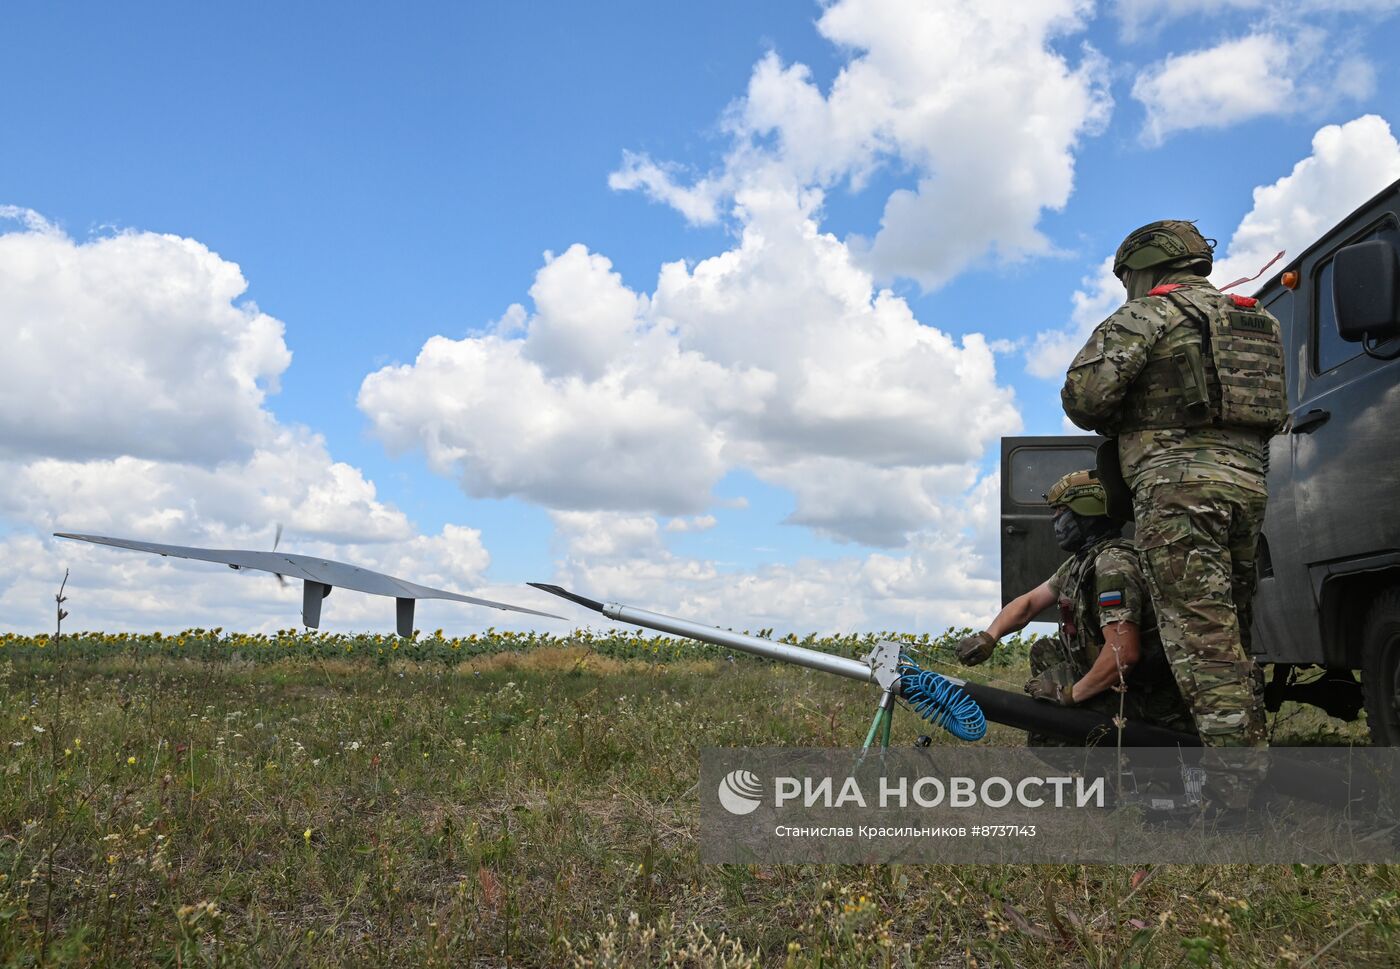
<point x="1380" y="669"/>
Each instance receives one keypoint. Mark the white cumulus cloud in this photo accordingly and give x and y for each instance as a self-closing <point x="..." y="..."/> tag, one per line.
<point x="607" y="535"/>
<point x="133" y="403"/>
<point x="698" y="523"/>
<point x="778" y="356"/>
<point x="518" y="417"/>
<point x="946" y="577"/>
<point x="972" y="101"/>
<point x="1274" y="72"/>
<point x="619" y="408"/>
<point x="1349" y="163"/>
<point x="1137" y="16"/>
<point x="1100" y="293"/>
<point x="129" y="344"/>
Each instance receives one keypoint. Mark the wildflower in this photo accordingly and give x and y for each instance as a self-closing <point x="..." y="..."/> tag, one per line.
<point x="130" y="761"/>
<point x="190" y="913"/>
<point x="306" y="836"/>
<point x="37" y="729"/>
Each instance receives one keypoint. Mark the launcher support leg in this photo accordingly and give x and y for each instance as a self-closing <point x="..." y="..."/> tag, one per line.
<point x="880" y="726"/>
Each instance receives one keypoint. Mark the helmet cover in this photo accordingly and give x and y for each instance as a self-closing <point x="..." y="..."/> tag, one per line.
<point x="1172" y="242"/>
<point x="1081" y="492"/>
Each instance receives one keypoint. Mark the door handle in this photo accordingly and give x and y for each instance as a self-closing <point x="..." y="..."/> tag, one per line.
<point x="1015" y="530"/>
<point x="1310" y="421"/>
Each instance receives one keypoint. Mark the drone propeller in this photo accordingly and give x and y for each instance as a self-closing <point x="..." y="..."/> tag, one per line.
<point x="276" y="540"/>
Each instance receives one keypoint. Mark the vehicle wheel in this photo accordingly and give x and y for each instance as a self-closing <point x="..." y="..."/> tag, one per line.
<point x="1380" y="669"/>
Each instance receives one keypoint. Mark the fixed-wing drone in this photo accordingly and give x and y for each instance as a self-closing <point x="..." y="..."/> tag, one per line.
<point x="318" y="576"/>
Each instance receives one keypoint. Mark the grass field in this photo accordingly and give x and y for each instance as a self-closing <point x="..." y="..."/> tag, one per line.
<point x="222" y="800"/>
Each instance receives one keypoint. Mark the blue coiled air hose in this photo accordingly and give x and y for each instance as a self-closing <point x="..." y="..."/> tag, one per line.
<point x="941" y="701"/>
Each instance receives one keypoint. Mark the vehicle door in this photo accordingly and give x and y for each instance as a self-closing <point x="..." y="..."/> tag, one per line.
<point x="1346" y="466"/>
<point x="1029" y="466"/>
<point x="1285" y="618"/>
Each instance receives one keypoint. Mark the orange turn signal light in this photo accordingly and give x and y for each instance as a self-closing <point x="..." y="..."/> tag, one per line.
<point x="1289" y="280"/>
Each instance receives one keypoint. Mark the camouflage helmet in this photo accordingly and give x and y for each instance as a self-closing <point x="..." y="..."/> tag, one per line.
<point x="1172" y="243"/>
<point x="1080" y="492"/>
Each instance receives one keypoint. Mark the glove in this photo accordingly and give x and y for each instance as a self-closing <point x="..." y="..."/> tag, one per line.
<point x="1051" y="688"/>
<point x="975" y="649"/>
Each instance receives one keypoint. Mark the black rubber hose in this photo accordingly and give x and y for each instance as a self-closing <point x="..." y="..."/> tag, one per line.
<point x="1072" y="723"/>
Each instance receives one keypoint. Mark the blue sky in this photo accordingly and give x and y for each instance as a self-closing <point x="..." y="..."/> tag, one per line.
<point x="381" y="177"/>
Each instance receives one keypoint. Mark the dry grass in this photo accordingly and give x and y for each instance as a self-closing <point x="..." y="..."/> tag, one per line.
<point x="532" y="810"/>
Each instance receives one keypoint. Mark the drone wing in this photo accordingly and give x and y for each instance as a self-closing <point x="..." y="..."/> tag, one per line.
<point x="318" y="577"/>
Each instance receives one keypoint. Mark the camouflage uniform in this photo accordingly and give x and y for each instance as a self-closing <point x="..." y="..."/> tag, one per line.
<point x="1108" y="573"/>
<point x="1148" y="377"/>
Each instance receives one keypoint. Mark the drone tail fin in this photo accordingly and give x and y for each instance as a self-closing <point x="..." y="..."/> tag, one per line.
<point x="311" y="595"/>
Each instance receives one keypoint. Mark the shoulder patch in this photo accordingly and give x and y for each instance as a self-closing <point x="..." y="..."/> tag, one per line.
<point x="1114" y="597"/>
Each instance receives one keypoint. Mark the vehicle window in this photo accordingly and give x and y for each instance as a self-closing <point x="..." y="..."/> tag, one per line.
<point x="1329" y="349"/>
<point x="1033" y="470"/>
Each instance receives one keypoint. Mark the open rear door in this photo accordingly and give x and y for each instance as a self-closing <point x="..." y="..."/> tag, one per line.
<point x="1029" y="466"/>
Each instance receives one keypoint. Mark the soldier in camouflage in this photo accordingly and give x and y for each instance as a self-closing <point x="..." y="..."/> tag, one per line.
<point x="1107" y="656"/>
<point x="1190" y="383"/>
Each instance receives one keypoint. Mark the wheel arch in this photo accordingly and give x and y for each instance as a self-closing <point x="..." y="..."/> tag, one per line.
<point x="1344" y="599"/>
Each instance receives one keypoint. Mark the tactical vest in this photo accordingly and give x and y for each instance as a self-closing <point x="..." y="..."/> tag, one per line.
<point x="1218" y="363"/>
<point x="1081" y="635"/>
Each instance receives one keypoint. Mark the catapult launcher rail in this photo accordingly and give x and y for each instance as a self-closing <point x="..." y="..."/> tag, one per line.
<point x="957" y="705"/>
<point x="962" y="707"/>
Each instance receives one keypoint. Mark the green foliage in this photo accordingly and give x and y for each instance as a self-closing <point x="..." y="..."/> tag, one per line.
<point x="216" y="645"/>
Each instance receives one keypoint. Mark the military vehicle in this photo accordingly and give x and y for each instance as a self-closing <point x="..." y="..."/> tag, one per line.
<point x="1328" y="603"/>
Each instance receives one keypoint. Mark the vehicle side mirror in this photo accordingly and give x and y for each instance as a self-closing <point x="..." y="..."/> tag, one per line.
<point x="1366" y="291"/>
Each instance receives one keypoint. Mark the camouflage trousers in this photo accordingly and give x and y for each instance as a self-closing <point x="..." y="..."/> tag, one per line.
<point x="1197" y="541"/>
<point x="1162" y="705"/>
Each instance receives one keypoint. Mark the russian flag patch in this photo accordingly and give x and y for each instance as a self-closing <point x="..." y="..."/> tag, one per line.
<point x="1110" y="599"/>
